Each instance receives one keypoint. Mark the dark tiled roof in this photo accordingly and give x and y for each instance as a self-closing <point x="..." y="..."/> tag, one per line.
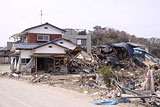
<point x="29" y="46"/>
<point x="43" y="25"/>
<point x="53" y="41"/>
<point x="25" y="31"/>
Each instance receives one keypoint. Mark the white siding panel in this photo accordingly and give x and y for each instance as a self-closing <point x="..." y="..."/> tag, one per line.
<point x="54" y="50"/>
<point x="42" y="30"/>
<point x="66" y="44"/>
<point x="26" y="53"/>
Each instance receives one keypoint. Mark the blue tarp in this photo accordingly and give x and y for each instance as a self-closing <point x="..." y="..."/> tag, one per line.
<point x="112" y="102"/>
<point x="124" y="100"/>
<point x="126" y="46"/>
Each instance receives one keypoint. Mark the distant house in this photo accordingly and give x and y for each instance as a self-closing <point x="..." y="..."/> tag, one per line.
<point x="41" y="48"/>
<point x="80" y="37"/>
<point x="4" y="53"/>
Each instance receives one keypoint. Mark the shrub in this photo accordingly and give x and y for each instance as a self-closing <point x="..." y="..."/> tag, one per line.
<point x="108" y="74"/>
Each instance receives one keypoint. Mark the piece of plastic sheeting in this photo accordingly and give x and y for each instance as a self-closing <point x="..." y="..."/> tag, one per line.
<point x="30" y="64"/>
<point x="123" y="100"/>
<point x="112" y="102"/>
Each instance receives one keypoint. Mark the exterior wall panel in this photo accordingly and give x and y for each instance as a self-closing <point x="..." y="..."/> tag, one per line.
<point x="50" y="49"/>
<point x="26" y="53"/>
<point x="32" y="38"/>
<point x="43" y="30"/>
<point x="66" y="44"/>
<point x="55" y="36"/>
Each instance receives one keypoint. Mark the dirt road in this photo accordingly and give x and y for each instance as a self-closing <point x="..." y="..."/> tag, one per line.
<point x="15" y="93"/>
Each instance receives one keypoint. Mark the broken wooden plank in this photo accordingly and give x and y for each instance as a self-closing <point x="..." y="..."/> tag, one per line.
<point x="38" y="78"/>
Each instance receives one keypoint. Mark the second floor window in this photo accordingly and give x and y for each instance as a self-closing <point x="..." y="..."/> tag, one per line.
<point x="81" y="42"/>
<point x="43" y="37"/>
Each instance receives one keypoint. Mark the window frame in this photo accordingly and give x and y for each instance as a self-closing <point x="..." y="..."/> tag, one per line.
<point x="25" y="60"/>
<point x="43" y="36"/>
<point x="79" y="42"/>
<point x="83" y="43"/>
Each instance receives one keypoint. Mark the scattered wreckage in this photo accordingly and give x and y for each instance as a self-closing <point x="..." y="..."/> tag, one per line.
<point x="128" y="65"/>
<point x="118" y="71"/>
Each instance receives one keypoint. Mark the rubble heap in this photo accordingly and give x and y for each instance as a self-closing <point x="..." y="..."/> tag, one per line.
<point x="115" y="71"/>
<point x="128" y="65"/>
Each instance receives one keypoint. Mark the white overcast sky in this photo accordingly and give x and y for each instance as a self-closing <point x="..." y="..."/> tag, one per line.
<point x="138" y="17"/>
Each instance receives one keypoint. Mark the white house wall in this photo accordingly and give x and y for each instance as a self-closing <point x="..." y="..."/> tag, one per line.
<point x="54" y="50"/>
<point x="42" y="30"/>
<point x="26" y="53"/>
<point x="66" y="44"/>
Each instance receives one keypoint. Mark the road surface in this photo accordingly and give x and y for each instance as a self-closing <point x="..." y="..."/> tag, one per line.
<point x="15" y="93"/>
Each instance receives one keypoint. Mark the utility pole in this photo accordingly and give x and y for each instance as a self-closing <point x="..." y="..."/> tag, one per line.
<point x="41" y="16"/>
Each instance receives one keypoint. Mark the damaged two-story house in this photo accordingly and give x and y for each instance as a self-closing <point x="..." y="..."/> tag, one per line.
<point x="40" y="48"/>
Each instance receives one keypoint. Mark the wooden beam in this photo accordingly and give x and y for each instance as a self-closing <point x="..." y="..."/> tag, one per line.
<point x="36" y="64"/>
<point x="53" y="64"/>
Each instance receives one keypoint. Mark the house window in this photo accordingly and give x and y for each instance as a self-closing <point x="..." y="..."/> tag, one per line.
<point x="25" y="61"/>
<point x="45" y="27"/>
<point x="61" y="42"/>
<point x="81" y="42"/>
<point x="43" y="37"/>
<point x="50" y="46"/>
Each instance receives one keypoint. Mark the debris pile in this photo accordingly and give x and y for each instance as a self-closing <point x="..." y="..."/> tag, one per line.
<point x="82" y="63"/>
<point x="131" y="67"/>
<point x="115" y="72"/>
<point x="120" y="57"/>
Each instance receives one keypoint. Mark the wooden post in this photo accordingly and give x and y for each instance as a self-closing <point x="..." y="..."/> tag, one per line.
<point x="53" y="64"/>
<point x="36" y="64"/>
